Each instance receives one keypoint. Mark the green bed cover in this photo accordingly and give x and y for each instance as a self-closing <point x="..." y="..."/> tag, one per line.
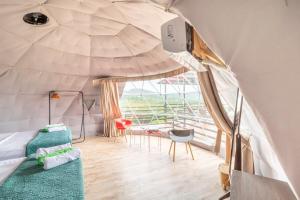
<point x="44" y="140"/>
<point x="32" y="182"/>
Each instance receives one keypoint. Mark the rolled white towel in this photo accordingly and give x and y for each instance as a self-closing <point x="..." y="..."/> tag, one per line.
<point x="43" y="151"/>
<point x="57" y="128"/>
<point x="61" y="159"/>
<point x="54" y="125"/>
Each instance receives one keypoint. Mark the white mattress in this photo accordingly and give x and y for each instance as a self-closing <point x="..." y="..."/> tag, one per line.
<point x="13" y="145"/>
<point x="8" y="166"/>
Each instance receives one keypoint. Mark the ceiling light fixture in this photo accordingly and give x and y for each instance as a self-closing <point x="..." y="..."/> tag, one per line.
<point x="35" y="18"/>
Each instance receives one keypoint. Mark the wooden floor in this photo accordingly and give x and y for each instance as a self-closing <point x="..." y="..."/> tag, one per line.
<point x="123" y="172"/>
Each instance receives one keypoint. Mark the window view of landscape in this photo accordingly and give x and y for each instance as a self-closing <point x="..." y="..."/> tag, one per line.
<point x="174" y="102"/>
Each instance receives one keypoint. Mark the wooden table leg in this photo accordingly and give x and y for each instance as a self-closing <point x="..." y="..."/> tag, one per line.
<point x="186" y="148"/>
<point x="170" y="147"/>
<point x="174" y="151"/>
<point x="191" y="150"/>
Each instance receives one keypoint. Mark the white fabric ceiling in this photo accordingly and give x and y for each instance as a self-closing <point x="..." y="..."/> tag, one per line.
<point x="260" y="41"/>
<point x="86" y="37"/>
<point x="83" y="39"/>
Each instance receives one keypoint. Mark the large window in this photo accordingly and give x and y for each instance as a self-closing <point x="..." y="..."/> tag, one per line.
<point x="167" y="103"/>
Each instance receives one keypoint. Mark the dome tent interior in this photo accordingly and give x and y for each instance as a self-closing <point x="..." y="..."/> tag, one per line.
<point x="81" y="40"/>
<point x="96" y="47"/>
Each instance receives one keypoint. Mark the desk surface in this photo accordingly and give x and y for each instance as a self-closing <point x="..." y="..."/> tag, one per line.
<point x="251" y="187"/>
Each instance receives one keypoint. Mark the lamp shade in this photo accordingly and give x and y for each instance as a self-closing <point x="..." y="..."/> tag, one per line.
<point x="55" y="96"/>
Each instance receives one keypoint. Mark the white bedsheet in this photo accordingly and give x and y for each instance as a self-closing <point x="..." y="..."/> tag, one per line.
<point x="13" y="145"/>
<point x="8" y="166"/>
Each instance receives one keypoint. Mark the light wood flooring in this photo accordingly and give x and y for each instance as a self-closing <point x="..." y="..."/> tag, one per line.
<point x="122" y="172"/>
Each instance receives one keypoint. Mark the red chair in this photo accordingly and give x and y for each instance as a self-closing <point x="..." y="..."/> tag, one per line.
<point x="128" y="124"/>
<point x="122" y="125"/>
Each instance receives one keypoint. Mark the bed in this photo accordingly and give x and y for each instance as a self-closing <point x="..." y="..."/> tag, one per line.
<point x="44" y="140"/>
<point x="13" y="145"/>
<point x="7" y="167"/>
<point x="30" y="181"/>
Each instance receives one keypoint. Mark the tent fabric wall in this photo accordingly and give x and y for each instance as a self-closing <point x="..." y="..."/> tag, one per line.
<point x="259" y="40"/>
<point x="200" y="50"/>
<point x="81" y="41"/>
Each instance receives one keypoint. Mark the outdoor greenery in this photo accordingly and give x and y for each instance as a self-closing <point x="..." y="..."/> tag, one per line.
<point x="151" y="108"/>
<point x="137" y="100"/>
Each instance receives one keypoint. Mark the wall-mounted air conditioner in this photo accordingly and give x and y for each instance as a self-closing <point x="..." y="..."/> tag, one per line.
<point x="177" y="39"/>
<point x="176" y="36"/>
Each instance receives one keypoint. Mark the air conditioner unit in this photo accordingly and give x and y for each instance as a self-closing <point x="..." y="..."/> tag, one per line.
<point x="176" y="36"/>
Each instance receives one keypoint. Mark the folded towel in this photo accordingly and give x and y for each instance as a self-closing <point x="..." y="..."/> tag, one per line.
<point x="60" y="159"/>
<point x="44" y="151"/>
<point x="41" y="159"/>
<point x="54" y="125"/>
<point x="57" y="128"/>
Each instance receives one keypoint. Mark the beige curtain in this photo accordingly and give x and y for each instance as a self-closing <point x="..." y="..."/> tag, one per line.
<point x="214" y="104"/>
<point x="212" y="100"/>
<point x="109" y="106"/>
<point x="221" y="119"/>
<point x="216" y="110"/>
<point x="210" y="93"/>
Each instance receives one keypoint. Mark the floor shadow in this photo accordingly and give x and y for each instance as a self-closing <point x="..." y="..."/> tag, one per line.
<point x="31" y="170"/>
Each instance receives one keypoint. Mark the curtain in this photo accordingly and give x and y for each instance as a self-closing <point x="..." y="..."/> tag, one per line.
<point x="210" y="93"/>
<point x="255" y="143"/>
<point x="109" y="106"/>
<point x="212" y="100"/>
<point x="214" y="104"/>
<point x="221" y="119"/>
<point x="216" y="110"/>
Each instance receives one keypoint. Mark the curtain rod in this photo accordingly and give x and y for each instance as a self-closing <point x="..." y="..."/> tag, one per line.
<point x="175" y="72"/>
